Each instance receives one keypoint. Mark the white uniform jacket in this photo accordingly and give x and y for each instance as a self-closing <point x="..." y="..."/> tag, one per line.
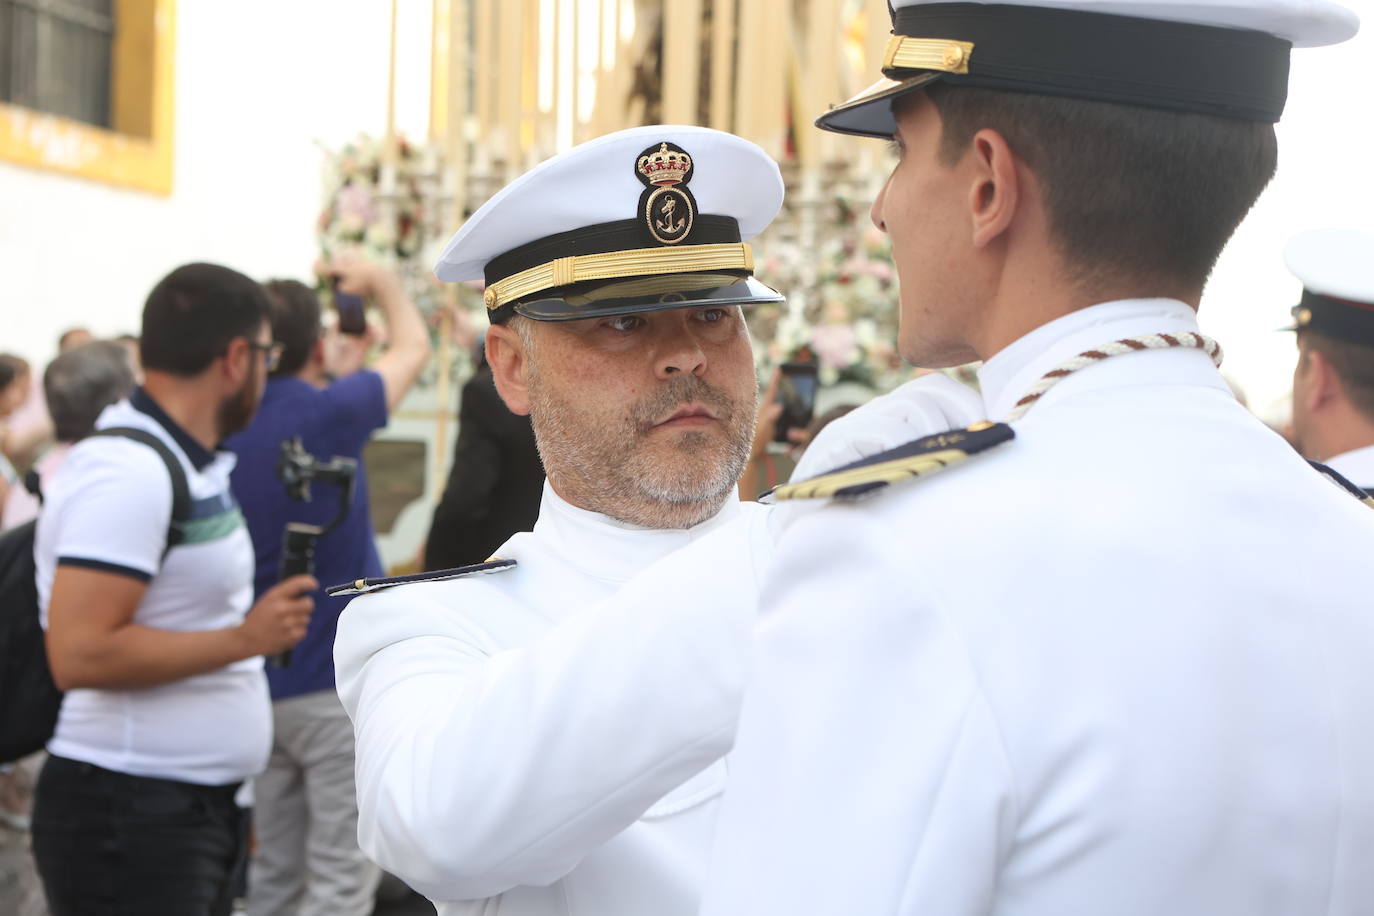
<point x="1356" y="466"/>
<point x="1122" y="665"/>
<point x="526" y="746"/>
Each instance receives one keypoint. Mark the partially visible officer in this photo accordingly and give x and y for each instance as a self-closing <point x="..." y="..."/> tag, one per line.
<point x="522" y="747"/>
<point x="159" y="646"/>
<point x="1333" y="384"/>
<point x="1116" y="660"/>
<point x="305" y="818"/>
<point x="495" y="481"/>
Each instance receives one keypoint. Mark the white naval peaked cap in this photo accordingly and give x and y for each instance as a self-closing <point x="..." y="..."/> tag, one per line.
<point x="648" y="202"/>
<point x="1336" y="267"/>
<point x="1219" y="57"/>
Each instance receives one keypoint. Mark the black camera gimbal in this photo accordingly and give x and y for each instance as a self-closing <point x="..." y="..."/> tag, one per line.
<point x="297" y="469"/>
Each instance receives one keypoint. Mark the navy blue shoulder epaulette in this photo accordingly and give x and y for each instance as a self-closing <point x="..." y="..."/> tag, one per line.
<point x="919" y="458"/>
<point x="366" y="586"/>
<point x="1364" y="496"/>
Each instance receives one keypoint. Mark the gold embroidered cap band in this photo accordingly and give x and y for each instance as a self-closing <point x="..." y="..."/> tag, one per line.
<point x="634" y="262"/>
<point x="946" y="55"/>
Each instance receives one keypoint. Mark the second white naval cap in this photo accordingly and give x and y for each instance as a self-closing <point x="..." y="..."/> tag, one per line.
<point x="639" y="220"/>
<point x="1336" y="267"/>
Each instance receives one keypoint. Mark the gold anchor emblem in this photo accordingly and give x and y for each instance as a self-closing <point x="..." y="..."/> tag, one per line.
<point x="666" y="224"/>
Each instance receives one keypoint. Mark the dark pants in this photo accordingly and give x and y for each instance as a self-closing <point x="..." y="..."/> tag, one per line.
<point x="111" y="844"/>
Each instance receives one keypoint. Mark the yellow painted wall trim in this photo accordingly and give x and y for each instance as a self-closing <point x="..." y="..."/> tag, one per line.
<point x="139" y="154"/>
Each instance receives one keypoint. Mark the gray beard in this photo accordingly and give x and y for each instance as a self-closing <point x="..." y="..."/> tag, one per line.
<point x="608" y="471"/>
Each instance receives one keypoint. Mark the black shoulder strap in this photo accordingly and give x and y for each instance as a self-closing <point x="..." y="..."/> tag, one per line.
<point x="181" y="491"/>
<point x="364" y="586"/>
<point x="1366" y="496"/>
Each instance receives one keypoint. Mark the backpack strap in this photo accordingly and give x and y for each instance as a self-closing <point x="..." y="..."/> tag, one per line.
<point x="181" y="490"/>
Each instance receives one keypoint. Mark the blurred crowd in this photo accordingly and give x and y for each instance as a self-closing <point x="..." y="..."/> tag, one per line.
<point x="227" y="371"/>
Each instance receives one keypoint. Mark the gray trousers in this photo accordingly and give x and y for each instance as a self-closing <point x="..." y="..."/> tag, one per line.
<point x="305" y="815"/>
<point x="21" y="891"/>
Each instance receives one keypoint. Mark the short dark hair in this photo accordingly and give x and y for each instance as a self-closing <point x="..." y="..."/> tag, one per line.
<point x="1353" y="364"/>
<point x="11" y="368"/>
<point x="1132" y="193"/>
<point x="192" y="315"/>
<point x="82" y="382"/>
<point x="295" y="311"/>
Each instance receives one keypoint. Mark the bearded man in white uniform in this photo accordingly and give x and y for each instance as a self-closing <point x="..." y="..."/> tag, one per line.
<point x="1333" y="383"/>
<point x="546" y="739"/>
<point x="1117" y="658"/>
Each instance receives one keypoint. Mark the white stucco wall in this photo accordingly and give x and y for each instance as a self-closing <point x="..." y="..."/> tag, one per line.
<point x="259" y="85"/>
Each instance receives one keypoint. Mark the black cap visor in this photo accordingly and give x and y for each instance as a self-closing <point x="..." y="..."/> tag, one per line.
<point x="869" y="114"/>
<point x="602" y="299"/>
<point x="1341" y="319"/>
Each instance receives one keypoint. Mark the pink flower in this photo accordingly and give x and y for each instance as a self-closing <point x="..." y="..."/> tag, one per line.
<point x="355" y="201"/>
<point x="836" y="345"/>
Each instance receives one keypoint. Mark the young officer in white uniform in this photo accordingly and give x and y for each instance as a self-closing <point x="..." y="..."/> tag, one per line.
<point x="526" y="745"/>
<point x="1333" y="384"/>
<point x="1119" y="661"/>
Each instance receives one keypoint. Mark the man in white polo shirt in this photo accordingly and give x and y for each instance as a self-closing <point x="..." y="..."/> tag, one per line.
<point x="159" y="652"/>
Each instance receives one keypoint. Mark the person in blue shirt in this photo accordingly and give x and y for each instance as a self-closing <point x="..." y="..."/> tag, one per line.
<point x="305" y="812"/>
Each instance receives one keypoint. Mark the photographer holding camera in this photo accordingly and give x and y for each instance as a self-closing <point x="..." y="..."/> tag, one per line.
<point x="307" y="859"/>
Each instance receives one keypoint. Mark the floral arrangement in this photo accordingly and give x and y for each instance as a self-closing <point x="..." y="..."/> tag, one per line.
<point x="374" y="206"/>
<point x="397" y="214"/>
<point x="842" y="303"/>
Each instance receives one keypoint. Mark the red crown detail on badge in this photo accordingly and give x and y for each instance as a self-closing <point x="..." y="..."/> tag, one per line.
<point x="665" y="167"/>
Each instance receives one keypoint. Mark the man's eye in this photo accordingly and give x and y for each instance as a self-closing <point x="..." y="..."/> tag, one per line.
<point x="711" y="316"/>
<point x="625" y="323"/>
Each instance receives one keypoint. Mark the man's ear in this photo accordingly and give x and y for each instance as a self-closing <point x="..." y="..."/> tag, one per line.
<point x="996" y="189"/>
<point x="238" y="361"/>
<point x="509" y="367"/>
<point x="1323" y="386"/>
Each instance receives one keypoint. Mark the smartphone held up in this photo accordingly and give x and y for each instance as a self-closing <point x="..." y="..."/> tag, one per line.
<point x="352" y="309"/>
<point x="797" y="384"/>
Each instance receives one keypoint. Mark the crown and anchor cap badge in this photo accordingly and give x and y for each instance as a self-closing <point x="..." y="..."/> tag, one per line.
<point x="640" y="220"/>
<point x="669" y="208"/>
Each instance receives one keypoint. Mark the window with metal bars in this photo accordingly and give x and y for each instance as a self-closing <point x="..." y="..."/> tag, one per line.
<point x="55" y="57"/>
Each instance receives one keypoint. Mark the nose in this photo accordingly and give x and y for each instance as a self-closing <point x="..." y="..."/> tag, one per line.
<point x="875" y="213"/>
<point x="680" y="352"/>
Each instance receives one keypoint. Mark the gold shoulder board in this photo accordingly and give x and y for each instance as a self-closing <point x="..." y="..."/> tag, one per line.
<point x="366" y="586"/>
<point x="920" y="458"/>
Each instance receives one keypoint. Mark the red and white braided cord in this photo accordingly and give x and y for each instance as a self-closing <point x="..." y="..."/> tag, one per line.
<point x="1185" y="340"/>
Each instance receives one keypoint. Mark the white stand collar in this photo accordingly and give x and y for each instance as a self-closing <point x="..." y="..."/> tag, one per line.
<point x="608" y="549"/>
<point x="1356" y="466"/>
<point x="1006" y="377"/>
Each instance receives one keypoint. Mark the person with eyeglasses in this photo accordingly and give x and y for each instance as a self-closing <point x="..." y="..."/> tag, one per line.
<point x="144" y="571"/>
<point x="307" y="860"/>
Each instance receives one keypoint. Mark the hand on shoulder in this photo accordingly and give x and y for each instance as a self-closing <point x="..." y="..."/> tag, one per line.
<point x="930" y="404"/>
